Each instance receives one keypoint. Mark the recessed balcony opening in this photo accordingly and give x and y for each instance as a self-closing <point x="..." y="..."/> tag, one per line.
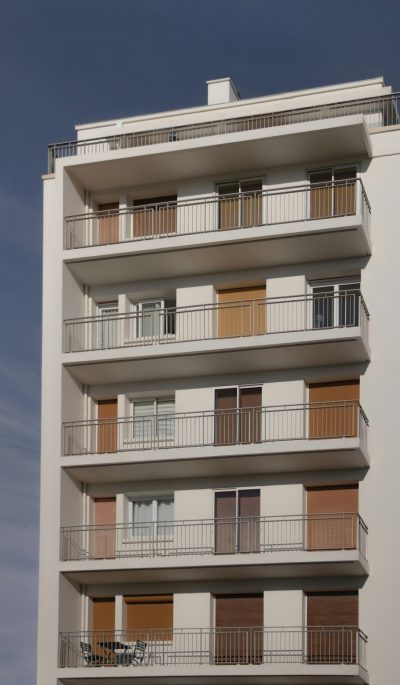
<point x="239" y="205"/>
<point x="256" y="425"/>
<point x="239" y="313"/>
<point x="255" y="535"/>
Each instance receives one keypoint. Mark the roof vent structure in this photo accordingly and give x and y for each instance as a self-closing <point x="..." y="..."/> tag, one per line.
<point x="221" y="91"/>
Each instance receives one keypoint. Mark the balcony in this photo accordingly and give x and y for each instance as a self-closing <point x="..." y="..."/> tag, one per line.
<point x="244" y="230"/>
<point x="376" y="112"/>
<point x="322" y="435"/>
<point x="257" y="547"/>
<point x="284" y="654"/>
<point x="215" y="338"/>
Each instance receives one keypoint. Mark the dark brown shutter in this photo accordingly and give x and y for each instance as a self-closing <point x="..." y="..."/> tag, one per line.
<point x="337" y="612"/>
<point x="149" y="617"/>
<point x="154" y="217"/>
<point x="345" y="191"/>
<point x="321" y="194"/>
<point x="250" y="401"/>
<point x="225" y="522"/>
<point x="226" y="416"/>
<point x="107" y="412"/>
<point x="242" y="311"/>
<point x="109" y="223"/>
<point x="340" y="529"/>
<point x="334" y="409"/>
<point x="239" y="621"/>
<point x="104" y="533"/>
<point x="249" y="523"/>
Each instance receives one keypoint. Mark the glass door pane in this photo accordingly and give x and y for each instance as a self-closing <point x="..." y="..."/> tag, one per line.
<point x="144" y="421"/>
<point x="323" y="306"/>
<point x="349" y="304"/>
<point x="108" y="326"/>
<point x="150" y="320"/>
<point x="165" y="517"/>
<point x="142" y="518"/>
<point x="165" y="419"/>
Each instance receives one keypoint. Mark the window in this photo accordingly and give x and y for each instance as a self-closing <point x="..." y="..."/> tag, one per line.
<point x="152" y="517"/>
<point x="237" y="521"/>
<point x="336" y="304"/>
<point x="153" y="420"/>
<point x="237" y="415"/>
<point x="107" y="325"/>
<point x="333" y="192"/>
<point x="153" y="319"/>
<point x="240" y="204"/>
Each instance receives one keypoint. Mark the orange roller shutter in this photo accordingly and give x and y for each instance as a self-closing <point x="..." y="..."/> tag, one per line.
<point x="149" y="617"/>
<point x="334" y="409"/>
<point x="242" y="311"/>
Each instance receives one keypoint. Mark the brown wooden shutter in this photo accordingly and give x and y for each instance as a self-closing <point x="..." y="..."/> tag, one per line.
<point x="150" y="220"/>
<point x="339" y="531"/>
<point x="103" y="613"/>
<point x="228" y="206"/>
<point x="109" y="223"/>
<point x="104" y="533"/>
<point x="330" y="609"/>
<point x="345" y="192"/>
<point x="149" y="617"/>
<point x="334" y="409"/>
<point x="249" y="523"/>
<point x="321" y="194"/>
<point x="250" y="401"/>
<point x="107" y="412"/>
<point x="242" y="311"/>
<point x="225" y="522"/>
<point x="239" y="621"/>
<point x="226" y="416"/>
<point x="251" y="203"/>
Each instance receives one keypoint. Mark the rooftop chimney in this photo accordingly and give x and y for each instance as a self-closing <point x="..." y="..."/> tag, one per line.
<point x="221" y="90"/>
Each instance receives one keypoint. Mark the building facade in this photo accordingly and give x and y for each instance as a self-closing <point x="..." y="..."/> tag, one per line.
<point x="217" y="336"/>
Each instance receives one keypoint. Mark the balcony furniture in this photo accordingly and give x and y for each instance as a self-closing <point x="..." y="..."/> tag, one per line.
<point x="121" y="655"/>
<point x="90" y="659"/>
<point x="138" y="653"/>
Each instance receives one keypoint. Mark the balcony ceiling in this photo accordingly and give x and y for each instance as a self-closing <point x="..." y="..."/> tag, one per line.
<point x="220" y="356"/>
<point x="274" y="457"/>
<point x="305" y="143"/>
<point x="260" y="566"/>
<point x="248" y="248"/>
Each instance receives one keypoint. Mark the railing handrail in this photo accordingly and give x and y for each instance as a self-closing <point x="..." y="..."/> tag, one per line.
<point x="211" y="306"/>
<point x="327" y="110"/>
<point x="179" y="631"/>
<point x="213" y="521"/>
<point x="220" y="412"/>
<point x="215" y="199"/>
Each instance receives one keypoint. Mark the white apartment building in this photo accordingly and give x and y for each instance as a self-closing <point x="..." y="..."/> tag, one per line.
<point x="217" y="327"/>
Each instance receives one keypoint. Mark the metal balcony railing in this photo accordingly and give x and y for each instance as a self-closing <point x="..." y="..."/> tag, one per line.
<point x="204" y="537"/>
<point x="316" y="645"/>
<point x="230" y="427"/>
<point x="377" y="111"/>
<point x="217" y="320"/>
<point x="300" y="203"/>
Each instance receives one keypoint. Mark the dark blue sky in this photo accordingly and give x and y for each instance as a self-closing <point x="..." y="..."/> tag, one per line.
<point x="64" y="62"/>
